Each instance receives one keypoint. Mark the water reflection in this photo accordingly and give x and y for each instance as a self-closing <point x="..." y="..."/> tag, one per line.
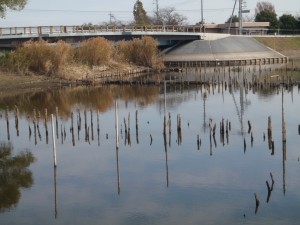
<point x="14" y="175"/>
<point x="195" y="173"/>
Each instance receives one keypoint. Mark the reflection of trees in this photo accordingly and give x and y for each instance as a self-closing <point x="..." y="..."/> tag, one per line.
<point x="13" y="175"/>
<point x="100" y="98"/>
<point x="267" y="92"/>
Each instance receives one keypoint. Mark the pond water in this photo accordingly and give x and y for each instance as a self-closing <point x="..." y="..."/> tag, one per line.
<point x="185" y="176"/>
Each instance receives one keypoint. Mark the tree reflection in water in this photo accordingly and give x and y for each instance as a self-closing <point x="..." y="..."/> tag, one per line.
<point x="14" y="174"/>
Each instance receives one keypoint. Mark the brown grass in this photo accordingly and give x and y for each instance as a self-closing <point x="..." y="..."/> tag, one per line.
<point x="289" y="46"/>
<point x="142" y="52"/>
<point x="39" y="57"/>
<point x="94" y="52"/>
<point x="61" y="59"/>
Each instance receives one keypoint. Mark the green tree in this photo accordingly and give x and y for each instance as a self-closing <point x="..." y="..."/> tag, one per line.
<point x="288" y="23"/>
<point x="11" y="4"/>
<point x="265" y="12"/>
<point x="235" y="19"/>
<point x="14" y="174"/>
<point x="140" y="14"/>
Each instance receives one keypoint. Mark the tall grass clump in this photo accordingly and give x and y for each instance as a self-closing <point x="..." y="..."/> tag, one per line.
<point x="142" y="52"/>
<point x="94" y="52"/>
<point x="39" y="57"/>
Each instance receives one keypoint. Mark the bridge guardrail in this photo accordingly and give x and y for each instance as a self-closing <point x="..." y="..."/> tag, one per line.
<point x="41" y="30"/>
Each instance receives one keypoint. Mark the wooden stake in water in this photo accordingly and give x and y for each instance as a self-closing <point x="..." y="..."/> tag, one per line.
<point x="54" y="145"/>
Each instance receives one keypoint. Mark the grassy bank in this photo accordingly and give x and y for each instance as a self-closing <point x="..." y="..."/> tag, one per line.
<point x="288" y="46"/>
<point x="94" y="57"/>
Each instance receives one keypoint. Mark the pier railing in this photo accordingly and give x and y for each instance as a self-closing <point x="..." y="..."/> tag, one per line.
<point x="58" y="30"/>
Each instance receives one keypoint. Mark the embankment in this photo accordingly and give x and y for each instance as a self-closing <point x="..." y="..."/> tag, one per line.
<point x="228" y="50"/>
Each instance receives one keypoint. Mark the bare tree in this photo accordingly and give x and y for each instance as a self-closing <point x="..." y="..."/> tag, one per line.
<point x="169" y="16"/>
<point x="264" y="6"/>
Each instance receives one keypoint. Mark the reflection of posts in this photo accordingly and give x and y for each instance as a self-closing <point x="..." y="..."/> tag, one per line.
<point x="179" y="133"/>
<point x="7" y="124"/>
<point x="53" y="139"/>
<point x="56" y="116"/>
<point x="270" y="189"/>
<point x="256" y="203"/>
<point x="117" y="145"/>
<point x="129" y="137"/>
<point x="46" y="125"/>
<point x="55" y="193"/>
<point x="166" y="150"/>
<point x="170" y="129"/>
<point x="270" y="132"/>
<point x="283" y="145"/>
<point x="283" y="165"/>
<point x="98" y="127"/>
<point x="72" y="128"/>
<point x="17" y="120"/>
<point x="136" y="127"/>
<point x="34" y="126"/>
<point x="78" y="124"/>
<point x="92" y="126"/>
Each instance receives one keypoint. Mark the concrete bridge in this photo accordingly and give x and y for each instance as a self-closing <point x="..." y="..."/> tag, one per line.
<point x="11" y="37"/>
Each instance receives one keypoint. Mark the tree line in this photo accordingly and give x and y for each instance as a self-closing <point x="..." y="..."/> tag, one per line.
<point x="265" y="12"/>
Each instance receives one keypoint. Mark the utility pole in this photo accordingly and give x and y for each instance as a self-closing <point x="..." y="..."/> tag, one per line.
<point x="157" y="12"/>
<point x="240" y="16"/>
<point x="202" y="20"/>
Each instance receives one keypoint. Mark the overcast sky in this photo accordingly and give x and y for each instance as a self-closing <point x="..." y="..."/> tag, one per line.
<point x="77" y="12"/>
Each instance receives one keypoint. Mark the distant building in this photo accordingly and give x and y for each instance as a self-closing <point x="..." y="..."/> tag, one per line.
<point x="249" y="28"/>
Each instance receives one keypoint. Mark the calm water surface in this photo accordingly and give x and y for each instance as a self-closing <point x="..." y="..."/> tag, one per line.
<point x="150" y="180"/>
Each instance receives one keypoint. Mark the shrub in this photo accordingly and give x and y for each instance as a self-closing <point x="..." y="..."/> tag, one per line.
<point x="94" y="52"/>
<point x="39" y="57"/>
<point x="143" y="52"/>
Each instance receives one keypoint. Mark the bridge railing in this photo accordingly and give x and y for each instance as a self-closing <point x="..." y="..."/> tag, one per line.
<point x="41" y="30"/>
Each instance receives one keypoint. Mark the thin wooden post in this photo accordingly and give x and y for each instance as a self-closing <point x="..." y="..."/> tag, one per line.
<point x="53" y="139"/>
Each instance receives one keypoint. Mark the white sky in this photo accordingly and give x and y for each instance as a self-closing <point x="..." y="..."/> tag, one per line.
<point x="77" y="12"/>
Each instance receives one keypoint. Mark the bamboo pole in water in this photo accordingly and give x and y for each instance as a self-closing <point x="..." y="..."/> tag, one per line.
<point x="53" y="139"/>
<point x="7" y="124"/>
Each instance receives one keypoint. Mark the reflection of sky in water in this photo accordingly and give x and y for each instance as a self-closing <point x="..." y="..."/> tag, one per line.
<point x="202" y="188"/>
